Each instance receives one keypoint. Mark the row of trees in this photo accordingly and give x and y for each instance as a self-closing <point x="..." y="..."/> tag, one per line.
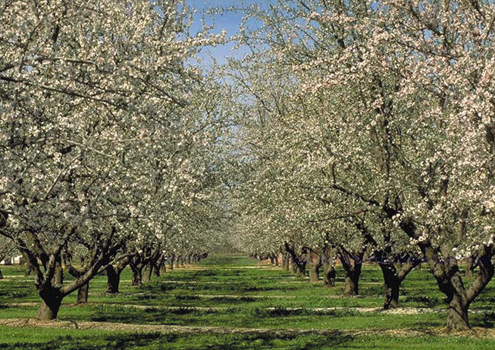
<point x="367" y="127"/>
<point x="357" y="127"/>
<point x="108" y="139"/>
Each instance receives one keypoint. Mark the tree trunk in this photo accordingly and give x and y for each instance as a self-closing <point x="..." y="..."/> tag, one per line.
<point x="298" y="263"/>
<point x="471" y="265"/>
<point x="293" y="267"/>
<point x="391" y="286"/>
<point x="285" y="262"/>
<point x="352" y="266"/>
<point x="49" y="307"/>
<point x="159" y="265"/>
<point x="137" y="277"/>
<point x="314" y="275"/>
<point x="149" y="272"/>
<point x="171" y="262"/>
<point x="457" y="315"/>
<point x="392" y="279"/>
<point x="328" y="257"/>
<point x="82" y="294"/>
<point x="1" y="275"/>
<point x="314" y="266"/>
<point x="113" y="279"/>
<point x="328" y="274"/>
<point x="352" y="282"/>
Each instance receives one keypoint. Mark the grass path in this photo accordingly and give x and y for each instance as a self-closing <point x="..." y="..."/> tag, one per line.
<point x="231" y="302"/>
<point x="112" y="326"/>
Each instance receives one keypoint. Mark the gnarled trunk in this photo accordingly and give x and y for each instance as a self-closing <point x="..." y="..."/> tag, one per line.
<point x="113" y="275"/>
<point x="82" y="294"/>
<point x="328" y="274"/>
<point x="286" y="262"/>
<point x="314" y="266"/>
<point x="391" y="286"/>
<point x="158" y="266"/>
<point x="392" y="280"/>
<point x="471" y="265"/>
<point x="50" y="305"/>
<point x="149" y="272"/>
<point x="351" y="286"/>
<point x="137" y="276"/>
<point x="314" y="273"/>
<point x="113" y="279"/>
<point x="449" y="280"/>
<point x="328" y="263"/>
<point x="49" y="310"/>
<point x="298" y="262"/>
<point x="352" y="265"/>
<point x="457" y="314"/>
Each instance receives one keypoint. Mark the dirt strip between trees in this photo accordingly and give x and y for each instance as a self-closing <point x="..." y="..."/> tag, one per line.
<point x="167" y="329"/>
<point x="398" y="311"/>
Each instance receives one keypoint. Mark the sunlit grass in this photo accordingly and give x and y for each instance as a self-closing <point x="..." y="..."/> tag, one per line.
<point x="234" y="292"/>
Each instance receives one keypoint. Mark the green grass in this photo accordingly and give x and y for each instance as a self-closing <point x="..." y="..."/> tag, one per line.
<point x="241" y="295"/>
<point x="22" y="339"/>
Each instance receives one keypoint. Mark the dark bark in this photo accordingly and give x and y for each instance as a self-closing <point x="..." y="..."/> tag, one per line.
<point x="315" y="264"/>
<point x="149" y="272"/>
<point x="444" y="268"/>
<point x="50" y="306"/>
<point x="171" y="262"/>
<point x="285" y="262"/>
<point x="1" y="275"/>
<point x="471" y="265"/>
<point x="82" y="294"/>
<point x="137" y="275"/>
<point x="447" y="274"/>
<point x="352" y="264"/>
<point x="83" y="291"/>
<point x="159" y="266"/>
<point x="113" y="275"/>
<point x="328" y="274"/>
<point x="392" y="278"/>
<point x="141" y="259"/>
<point x="48" y="271"/>
<point x="113" y="280"/>
<point x="298" y="261"/>
<point x="328" y="260"/>
<point x="457" y="314"/>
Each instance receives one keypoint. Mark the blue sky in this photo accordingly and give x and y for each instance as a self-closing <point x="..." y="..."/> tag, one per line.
<point x="228" y="21"/>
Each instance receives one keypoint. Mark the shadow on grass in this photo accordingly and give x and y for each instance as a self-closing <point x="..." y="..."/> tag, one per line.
<point x="187" y="341"/>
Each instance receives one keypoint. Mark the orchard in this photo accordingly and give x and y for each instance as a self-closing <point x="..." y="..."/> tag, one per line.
<point x="343" y="143"/>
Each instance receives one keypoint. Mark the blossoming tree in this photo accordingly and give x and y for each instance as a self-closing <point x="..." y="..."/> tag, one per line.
<point x="95" y="111"/>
